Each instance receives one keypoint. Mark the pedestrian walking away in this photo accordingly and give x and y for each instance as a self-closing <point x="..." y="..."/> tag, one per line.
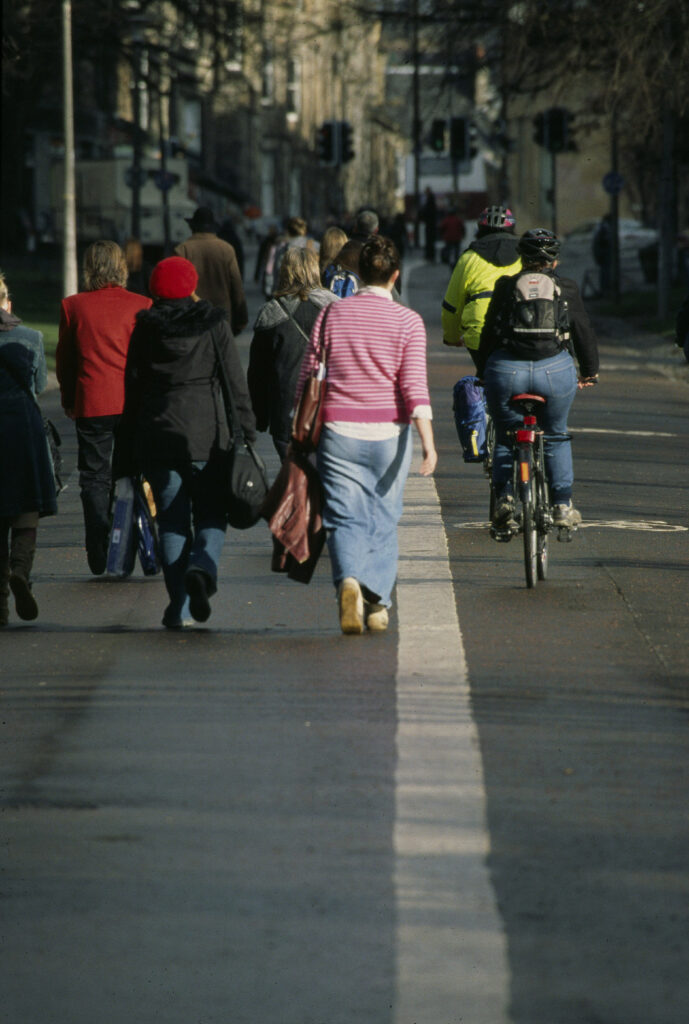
<point x="536" y="360"/>
<point x="174" y="432"/>
<point x="95" y="328"/>
<point x="215" y="260"/>
<point x="376" y="387"/>
<point x="281" y="334"/>
<point x="27" y="487"/>
<point x="492" y="254"/>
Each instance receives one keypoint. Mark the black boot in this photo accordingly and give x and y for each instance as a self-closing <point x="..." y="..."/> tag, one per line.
<point x="22" y="551"/>
<point x="96" y="505"/>
<point x="4" y="589"/>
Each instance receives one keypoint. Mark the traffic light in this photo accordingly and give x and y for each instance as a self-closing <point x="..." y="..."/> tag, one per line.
<point x="346" y="142"/>
<point x="437" y="139"/>
<point x="473" y="140"/>
<point x="460" y="141"/>
<point x="326" y="144"/>
<point x="558" y="129"/>
<point x="552" y="129"/>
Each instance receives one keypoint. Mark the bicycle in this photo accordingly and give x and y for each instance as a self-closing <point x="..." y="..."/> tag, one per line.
<point x="530" y="486"/>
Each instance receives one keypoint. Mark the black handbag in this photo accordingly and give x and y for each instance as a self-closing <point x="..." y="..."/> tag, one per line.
<point x="246" y="484"/>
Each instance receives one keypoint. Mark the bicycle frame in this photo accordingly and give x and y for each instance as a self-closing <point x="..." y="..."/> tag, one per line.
<point x="531" y="486"/>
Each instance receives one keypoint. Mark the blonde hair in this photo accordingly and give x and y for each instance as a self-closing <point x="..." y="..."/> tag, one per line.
<point x="104" y="264"/>
<point x="4" y="291"/>
<point x="331" y="243"/>
<point x="134" y="254"/>
<point x="299" y="273"/>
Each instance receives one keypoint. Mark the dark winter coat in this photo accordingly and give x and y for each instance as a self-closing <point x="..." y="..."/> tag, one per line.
<point x="174" y="412"/>
<point x="220" y="281"/>
<point x="26" y="472"/>
<point x="583" y="338"/>
<point x="277" y="351"/>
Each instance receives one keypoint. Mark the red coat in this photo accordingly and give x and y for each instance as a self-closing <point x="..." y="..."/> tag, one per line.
<point x="95" y="328"/>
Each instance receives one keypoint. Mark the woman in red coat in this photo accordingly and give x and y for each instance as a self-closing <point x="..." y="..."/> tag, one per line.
<point x="95" y="328"/>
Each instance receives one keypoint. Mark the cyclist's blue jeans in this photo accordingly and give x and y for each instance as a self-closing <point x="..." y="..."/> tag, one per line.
<point x="556" y="380"/>
<point x="191" y="528"/>
<point x="364" y="487"/>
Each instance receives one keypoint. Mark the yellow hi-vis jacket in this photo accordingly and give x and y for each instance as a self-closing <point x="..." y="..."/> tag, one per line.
<point x="471" y="287"/>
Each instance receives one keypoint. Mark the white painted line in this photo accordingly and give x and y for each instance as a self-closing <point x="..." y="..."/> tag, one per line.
<point x="451" y="948"/>
<point x="624" y="433"/>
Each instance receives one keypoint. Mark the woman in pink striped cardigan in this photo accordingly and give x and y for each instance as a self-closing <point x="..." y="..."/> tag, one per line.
<point x="376" y="387"/>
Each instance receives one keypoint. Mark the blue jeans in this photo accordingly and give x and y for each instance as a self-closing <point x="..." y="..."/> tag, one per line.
<point x="556" y="380"/>
<point x="191" y="528"/>
<point x="364" y="487"/>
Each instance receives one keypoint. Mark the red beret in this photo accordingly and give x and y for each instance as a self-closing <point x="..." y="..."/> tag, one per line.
<point x="173" y="278"/>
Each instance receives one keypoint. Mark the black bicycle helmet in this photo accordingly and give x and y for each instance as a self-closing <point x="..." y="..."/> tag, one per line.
<point x="539" y="244"/>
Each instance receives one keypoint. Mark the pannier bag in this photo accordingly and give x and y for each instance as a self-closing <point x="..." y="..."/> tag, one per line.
<point x="469" y="406"/>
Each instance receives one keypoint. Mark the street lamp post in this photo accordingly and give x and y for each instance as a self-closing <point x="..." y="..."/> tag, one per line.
<point x="136" y="142"/>
<point x="69" y="242"/>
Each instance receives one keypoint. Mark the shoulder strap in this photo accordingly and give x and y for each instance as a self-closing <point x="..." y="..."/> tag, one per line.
<point x="291" y="316"/>
<point x="233" y="420"/>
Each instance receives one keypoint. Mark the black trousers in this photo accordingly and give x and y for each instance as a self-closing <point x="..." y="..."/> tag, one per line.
<point x="95" y="437"/>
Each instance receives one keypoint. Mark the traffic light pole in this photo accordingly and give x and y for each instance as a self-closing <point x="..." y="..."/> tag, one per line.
<point x="614" y="216"/>
<point x="417" y="122"/>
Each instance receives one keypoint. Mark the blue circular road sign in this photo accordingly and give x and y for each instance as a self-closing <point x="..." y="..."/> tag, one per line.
<point x="613" y="182"/>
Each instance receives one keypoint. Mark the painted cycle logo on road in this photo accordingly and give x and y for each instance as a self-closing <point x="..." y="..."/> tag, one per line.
<point x="648" y="525"/>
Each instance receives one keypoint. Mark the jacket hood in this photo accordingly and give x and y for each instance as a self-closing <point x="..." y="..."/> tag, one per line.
<point x="500" y="249"/>
<point x="180" y="318"/>
<point x="275" y="312"/>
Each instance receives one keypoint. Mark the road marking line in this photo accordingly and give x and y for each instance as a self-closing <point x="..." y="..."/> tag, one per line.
<point x="649" y="525"/>
<point x="451" y="946"/>
<point x="624" y="433"/>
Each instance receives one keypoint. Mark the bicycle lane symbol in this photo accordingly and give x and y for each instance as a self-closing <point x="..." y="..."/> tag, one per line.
<point x="648" y="525"/>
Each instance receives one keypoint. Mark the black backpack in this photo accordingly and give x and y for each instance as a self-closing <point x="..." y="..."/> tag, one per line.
<point x="536" y="322"/>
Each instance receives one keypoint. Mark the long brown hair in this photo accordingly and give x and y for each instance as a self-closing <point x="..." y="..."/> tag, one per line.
<point x="104" y="264"/>
<point x="299" y="273"/>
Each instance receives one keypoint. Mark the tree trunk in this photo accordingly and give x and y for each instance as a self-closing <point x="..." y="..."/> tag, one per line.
<point x="666" y="213"/>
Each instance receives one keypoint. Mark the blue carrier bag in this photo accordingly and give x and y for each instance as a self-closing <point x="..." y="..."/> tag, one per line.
<point x="132" y="532"/>
<point x="146" y="539"/>
<point x="122" y="546"/>
<point x="469" y="406"/>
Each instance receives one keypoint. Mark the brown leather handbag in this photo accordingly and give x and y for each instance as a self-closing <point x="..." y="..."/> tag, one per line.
<point x="308" y="418"/>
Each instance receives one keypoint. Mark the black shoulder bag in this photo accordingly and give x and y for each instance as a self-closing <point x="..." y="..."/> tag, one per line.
<point x="246" y="484"/>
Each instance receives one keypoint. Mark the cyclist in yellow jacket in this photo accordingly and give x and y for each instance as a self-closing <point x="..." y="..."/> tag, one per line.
<point x="491" y="255"/>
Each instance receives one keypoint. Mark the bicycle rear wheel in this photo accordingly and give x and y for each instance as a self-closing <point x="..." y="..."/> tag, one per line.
<point x="543" y="517"/>
<point x="530" y="544"/>
<point x="542" y="554"/>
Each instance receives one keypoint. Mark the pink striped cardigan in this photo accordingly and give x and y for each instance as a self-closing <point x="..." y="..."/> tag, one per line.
<point x="376" y="360"/>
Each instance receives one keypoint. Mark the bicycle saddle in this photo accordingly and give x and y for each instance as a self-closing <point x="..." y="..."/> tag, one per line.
<point x="525" y="398"/>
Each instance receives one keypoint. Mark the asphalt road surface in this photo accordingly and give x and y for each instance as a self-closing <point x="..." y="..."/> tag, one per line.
<point x="478" y="817"/>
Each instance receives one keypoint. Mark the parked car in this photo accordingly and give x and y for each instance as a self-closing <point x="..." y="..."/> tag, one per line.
<point x="632" y="233"/>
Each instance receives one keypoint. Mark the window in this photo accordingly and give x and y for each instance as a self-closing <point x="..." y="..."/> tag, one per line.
<point x="234" y="38"/>
<point x="293" y="86"/>
<point x="268" y="74"/>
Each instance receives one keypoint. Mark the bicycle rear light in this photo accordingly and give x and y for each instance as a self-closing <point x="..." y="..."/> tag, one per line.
<point x="526" y="436"/>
